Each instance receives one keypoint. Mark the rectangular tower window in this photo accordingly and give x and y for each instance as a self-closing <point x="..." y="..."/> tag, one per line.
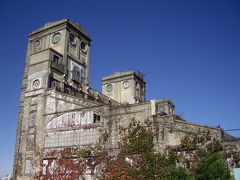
<point x="83" y="75"/>
<point x="31" y="141"/>
<point x="28" y="166"/>
<point x="78" y="71"/>
<point x="56" y="59"/>
<point x="96" y="118"/>
<point x="57" y="62"/>
<point x="76" y="74"/>
<point x="32" y="119"/>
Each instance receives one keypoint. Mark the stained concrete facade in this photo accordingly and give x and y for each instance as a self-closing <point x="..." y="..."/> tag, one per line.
<point x="58" y="108"/>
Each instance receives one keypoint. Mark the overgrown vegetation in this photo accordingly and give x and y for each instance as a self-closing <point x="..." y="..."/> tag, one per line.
<point x="196" y="158"/>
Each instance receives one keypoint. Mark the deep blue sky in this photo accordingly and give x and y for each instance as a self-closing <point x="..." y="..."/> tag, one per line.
<point x="189" y="51"/>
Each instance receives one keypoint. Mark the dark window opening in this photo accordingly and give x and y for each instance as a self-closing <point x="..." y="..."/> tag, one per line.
<point x="72" y="39"/>
<point x="96" y="118"/>
<point x="83" y="47"/>
<point x="56" y="59"/>
<point x="57" y="63"/>
<point x="67" y="89"/>
<point x="162" y="113"/>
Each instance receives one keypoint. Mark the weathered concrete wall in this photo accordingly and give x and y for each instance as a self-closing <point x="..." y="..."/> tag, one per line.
<point x="231" y="146"/>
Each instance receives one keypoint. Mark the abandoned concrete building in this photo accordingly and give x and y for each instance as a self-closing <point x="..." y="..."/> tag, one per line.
<point x="59" y="109"/>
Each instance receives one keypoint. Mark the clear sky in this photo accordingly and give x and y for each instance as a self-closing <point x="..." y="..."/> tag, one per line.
<point x="189" y="51"/>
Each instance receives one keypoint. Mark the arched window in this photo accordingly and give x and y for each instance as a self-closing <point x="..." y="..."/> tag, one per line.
<point x="71" y="119"/>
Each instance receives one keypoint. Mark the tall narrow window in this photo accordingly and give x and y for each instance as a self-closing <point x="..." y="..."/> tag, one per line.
<point x="96" y="118"/>
<point x="28" y="166"/>
<point x="32" y="120"/>
<point x="31" y="141"/>
<point x="83" y="75"/>
<point x="76" y="75"/>
<point x="56" y="59"/>
<point x="57" y="62"/>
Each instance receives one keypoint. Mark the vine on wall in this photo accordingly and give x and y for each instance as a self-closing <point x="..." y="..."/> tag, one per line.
<point x="196" y="157"/>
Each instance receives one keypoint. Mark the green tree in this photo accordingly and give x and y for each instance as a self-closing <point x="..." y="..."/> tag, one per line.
<point x="210" y="167"/>
<point x="176" y="173"/>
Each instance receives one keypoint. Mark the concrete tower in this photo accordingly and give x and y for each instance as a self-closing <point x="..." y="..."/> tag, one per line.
<point x="125" y="87"/>
<point x="57" y="58"/>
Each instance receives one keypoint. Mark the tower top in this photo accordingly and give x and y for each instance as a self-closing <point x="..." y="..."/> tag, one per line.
<point x="125" y="87"/>
<point x="122" y="74"/>
<point x="63" y="22"/>
<point x="58" y="57"/>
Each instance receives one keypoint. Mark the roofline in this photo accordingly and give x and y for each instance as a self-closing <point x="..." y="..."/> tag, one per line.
<point x="59" y="23"/>
<point x="122" y="74"/>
